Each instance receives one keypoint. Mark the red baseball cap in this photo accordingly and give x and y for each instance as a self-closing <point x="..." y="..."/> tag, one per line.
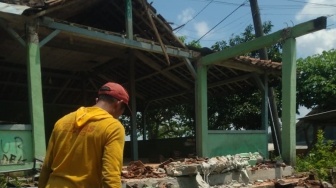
<point x="115" y="90"/>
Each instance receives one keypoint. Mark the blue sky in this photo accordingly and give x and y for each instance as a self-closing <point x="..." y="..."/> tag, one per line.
<point x="232" y="17"/>
<point x="202" y="16"/>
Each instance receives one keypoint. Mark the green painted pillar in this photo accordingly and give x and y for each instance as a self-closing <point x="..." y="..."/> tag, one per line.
<point x="35" y="90"/>
<point x="201" y="111"/>
<point x="289" y="101"/>
<point x="129" y="19"/>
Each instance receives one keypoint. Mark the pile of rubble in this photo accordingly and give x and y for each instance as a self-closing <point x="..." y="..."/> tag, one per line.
<point x="304" y="180"/>
<point x="190" y="166"/>
<point x="224" y="171"/>
<point x="242" y="170"/>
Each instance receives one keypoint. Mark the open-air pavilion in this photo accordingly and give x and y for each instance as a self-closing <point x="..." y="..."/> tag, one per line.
<point x="54" y="55"/>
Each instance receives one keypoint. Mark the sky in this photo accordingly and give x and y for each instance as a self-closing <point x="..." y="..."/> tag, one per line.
<point x="217" y="20"/>
<point x="210" y="21"/>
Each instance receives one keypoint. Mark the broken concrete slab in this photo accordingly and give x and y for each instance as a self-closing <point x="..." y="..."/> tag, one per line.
<point x="227" y="178"/>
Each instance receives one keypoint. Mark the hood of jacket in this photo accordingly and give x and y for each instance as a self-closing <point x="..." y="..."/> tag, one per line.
<point x="86" y="114"/>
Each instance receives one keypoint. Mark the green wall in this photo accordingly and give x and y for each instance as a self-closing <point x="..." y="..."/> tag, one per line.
<point x="233" y="142"/>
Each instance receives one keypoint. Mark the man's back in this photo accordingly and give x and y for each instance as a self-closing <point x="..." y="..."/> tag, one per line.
<point x="85" y="150"/>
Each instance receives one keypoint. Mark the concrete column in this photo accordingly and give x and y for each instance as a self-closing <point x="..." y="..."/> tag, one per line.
<point x="201" y="111"/>
<point x="289" y="101"/>
<point x="35" y="90"/>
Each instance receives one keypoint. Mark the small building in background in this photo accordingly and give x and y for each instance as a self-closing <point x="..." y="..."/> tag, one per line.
<point x="307" y="127"/>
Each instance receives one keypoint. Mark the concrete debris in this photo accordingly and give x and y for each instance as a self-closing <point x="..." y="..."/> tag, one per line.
<point x="327" y="184"/>
<point x="200" y="167"/>
<point x="222" y="164"/>
<point x="214" y="165"/>
<point x="201" y="183"/>
<point x="227" y="163"/>
<point x="234" y="184"/>
<point x="151" y="185"/>
<point x="239" y="171"/>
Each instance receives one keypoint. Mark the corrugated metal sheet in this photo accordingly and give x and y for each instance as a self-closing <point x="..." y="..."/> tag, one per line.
<point x="13" y="9"/>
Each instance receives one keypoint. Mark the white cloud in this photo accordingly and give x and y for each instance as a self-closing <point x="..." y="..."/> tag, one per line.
<point x="315" y="43"/>
<point x="316" y="8"/>
<point x="186" y="15"/>
<point x="201" y="28"/>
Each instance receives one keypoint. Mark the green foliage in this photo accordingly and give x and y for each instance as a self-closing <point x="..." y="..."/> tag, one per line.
<point x="164" y="122"/>
<point x="320" y="159"/>
<point x="170" y="122"/>
<point x="126" y="121"/>
<point x="193" y="43"/>
<point x="235" y="111"/>
<point x="182" y="38"/>
<point x="316" y="80"/>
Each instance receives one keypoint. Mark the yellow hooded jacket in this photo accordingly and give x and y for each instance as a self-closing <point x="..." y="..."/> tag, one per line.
<point x="85" y="150"/>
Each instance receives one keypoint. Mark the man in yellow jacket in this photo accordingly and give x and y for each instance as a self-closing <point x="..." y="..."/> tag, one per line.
<point x="86" y="146"/>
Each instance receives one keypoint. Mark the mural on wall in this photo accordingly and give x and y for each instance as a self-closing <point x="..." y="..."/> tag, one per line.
<point x="12" y="150"/>
<point x="16" y="147"/>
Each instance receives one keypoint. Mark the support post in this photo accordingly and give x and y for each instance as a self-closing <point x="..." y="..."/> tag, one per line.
<point x="144" y="117"/>
<point x="129" y="19"/>
<point x="49" y="37"/>
<point x="201" y="111"/>
<point x="264" y="104"/>
<point x="134" y="138"/>
<point x="289" y="101"/>
<point x="263" y="86"/>
<point x="264" y="108"/>
<point x="275" y="125"/>
<point x="35" y="90"/>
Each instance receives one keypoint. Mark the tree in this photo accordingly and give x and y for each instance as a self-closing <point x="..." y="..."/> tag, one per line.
<point x="316" y="81"/>
<point x="170" y="121"/>
<point x="239" y="110"/>
<point x="193" y="43"/>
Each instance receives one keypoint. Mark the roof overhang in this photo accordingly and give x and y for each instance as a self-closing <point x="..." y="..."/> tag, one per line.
<point x="324" y="117"/>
